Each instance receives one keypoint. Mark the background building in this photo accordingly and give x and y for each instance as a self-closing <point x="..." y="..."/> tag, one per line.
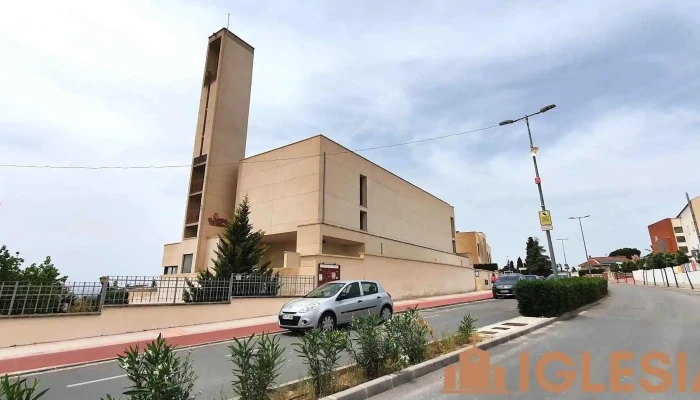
<point x="326" y="211"/>
<point x="678" y="234"/>
<point x="474" y="246"/>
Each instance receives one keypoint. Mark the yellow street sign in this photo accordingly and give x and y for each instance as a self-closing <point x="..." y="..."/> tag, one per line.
<point x="546" y="220"/>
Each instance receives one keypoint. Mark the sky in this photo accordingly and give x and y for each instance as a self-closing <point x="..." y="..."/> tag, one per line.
<point x="90" y="83"/>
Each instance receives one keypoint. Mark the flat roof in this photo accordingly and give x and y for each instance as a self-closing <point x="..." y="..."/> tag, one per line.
<point x="232" y="36"/>
<point x="351" y="152"/>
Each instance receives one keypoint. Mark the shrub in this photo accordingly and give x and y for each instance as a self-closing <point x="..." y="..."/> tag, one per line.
<point x="466" y="330"/>
<point x="19" y="389"/>
<point x="370" y="348"/>
<point x="321" y="351"/>
<point x="256" y="369"/>
<point x="410" y="332"/>
<point x="543" y="298"/>
<point x="486" y="267"/>
<point x="594" y="271"/>
<point x="116" y="296"/>
<point x="158" y="373"/>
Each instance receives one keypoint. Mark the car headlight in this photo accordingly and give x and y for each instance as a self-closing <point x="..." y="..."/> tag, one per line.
<point x="310" y="307"/>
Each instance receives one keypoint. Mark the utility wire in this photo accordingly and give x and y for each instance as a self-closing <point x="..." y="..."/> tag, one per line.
<point x="239" y="162"/>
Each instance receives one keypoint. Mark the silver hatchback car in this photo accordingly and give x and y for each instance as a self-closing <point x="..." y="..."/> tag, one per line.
<point x="336" y="303"/>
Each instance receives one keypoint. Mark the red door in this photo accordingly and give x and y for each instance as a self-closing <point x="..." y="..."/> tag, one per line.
<point x="328" y="273"/>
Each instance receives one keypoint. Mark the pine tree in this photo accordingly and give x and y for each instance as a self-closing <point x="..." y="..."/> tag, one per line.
<point x="239" y="250"/>
<point x="537" y="262"/>
<point x="520" y="264"/>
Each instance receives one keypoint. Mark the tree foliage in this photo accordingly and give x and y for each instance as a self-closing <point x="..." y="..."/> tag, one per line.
<point x="238" y="253"/>
<point x="239" y="250"/>
<point x="625" y="252"/>
<point x="520" y="264"/>
<point x="536" y="261"/>
<point x="11" y="269"/>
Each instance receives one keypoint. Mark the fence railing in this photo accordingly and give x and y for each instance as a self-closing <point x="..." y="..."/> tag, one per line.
<point x="23" y="298"/>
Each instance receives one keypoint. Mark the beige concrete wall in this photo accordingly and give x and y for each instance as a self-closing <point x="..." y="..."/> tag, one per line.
<point x="402" y="278"/>
<point x="283" y="193"/>
<point x="387" y="247"/>
<point x="173" y="252"/>
<point x="483" y="281"/>
<point x="395" y="209"/>
<point x="275" y="253"/>
<point x="116" y="320"/>
<point x="227" y="136"/>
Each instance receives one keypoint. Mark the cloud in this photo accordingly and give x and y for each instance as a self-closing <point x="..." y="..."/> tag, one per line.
<point x="118" y="84"/>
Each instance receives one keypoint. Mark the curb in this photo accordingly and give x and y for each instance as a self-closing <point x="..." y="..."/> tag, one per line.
<point x="389" y="382"/>
<point x="182" y="342"/>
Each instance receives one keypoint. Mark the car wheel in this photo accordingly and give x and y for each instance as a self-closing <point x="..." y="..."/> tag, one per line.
<point x="386" y="313"/>
<point x="327" y="322"/>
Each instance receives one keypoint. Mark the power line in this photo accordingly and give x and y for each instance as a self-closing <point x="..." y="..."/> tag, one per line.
<point x="117" y="167"/>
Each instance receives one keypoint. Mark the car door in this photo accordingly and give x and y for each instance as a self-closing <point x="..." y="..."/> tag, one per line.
<point x="348" y="302"/>
<point x="371" y="299"/>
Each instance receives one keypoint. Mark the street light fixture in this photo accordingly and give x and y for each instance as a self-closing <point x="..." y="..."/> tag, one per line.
<point x="534" y="151"/>
<point x="564" y="251"/>
<point x="584" y="240"/>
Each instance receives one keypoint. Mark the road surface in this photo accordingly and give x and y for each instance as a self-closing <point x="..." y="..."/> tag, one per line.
<point x="634" y="318"/>
<point x="213" y="366"/>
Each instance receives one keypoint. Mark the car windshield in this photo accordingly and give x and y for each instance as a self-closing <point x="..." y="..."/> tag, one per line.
<point x="507" y="278"/>
<point x="531" y="277"/>
<point x="326" y="290"/>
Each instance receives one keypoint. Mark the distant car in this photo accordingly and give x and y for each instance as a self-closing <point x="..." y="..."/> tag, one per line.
<point x="505" y="285"/>
<point x="531" y="277"/>
<point x="561" y="276"/>
<point x="336" y="303"/>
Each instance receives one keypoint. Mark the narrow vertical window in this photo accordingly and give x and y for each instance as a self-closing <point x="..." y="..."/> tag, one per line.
<point x="363" y="220"/>
<point x="363" y="191"/>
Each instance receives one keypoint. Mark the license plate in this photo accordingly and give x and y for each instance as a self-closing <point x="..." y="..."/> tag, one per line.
<point x="286" y="316"/>
<point x="505" y="291"/>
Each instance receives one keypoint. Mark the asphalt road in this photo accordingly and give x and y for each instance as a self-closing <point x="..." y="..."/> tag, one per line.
<point x="633" y="319"/>
<point x="213" y="366"/>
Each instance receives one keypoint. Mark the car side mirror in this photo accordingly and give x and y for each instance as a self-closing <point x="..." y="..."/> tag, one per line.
<point x="341" y="297"/>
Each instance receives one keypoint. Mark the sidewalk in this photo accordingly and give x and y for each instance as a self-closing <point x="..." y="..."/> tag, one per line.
<point x="53" y="355"/>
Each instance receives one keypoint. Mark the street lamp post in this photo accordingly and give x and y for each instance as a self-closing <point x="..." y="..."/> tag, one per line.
<point x="564" y="250"/>
<point x="584" y="240"/>
<point x="534" y="151"/>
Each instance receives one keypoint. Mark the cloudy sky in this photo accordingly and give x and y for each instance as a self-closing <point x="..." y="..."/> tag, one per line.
<point x="91" y="83"/>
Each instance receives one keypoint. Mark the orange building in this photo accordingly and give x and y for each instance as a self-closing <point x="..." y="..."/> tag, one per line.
<point x="663" y="235"/>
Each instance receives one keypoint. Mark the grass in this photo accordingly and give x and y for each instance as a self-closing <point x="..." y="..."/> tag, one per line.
<point x="353" y="376"/>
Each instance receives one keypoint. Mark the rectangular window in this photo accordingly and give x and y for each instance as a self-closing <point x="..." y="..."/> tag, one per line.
<point x="169" y="270"/>
<point x="363" y="220"/>
<point x="186" y="263"/>
<point x="678" y="229"/>
<point x="452" y="226"/>
<point x="478" y="249"/>
<point x="683" y="249"/>
<point x="680" y="239"/>
<point x="363" y="191"/>
<point x="454" y="247"/>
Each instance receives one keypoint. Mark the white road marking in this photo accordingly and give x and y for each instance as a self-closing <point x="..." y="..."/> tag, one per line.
<point x="96" y="380"/>
<point x="432" y="316"/>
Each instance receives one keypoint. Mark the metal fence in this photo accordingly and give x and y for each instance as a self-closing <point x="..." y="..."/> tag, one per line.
<point x="23" y="298"/>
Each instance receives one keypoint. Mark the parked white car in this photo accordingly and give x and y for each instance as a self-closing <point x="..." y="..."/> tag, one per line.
<point x="336" y="303"/>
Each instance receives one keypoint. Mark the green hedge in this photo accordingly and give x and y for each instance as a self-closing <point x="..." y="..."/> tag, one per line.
<point x="594" y="271"/>
<point x="552" y="298"/>
<point x="487" y="267"/>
